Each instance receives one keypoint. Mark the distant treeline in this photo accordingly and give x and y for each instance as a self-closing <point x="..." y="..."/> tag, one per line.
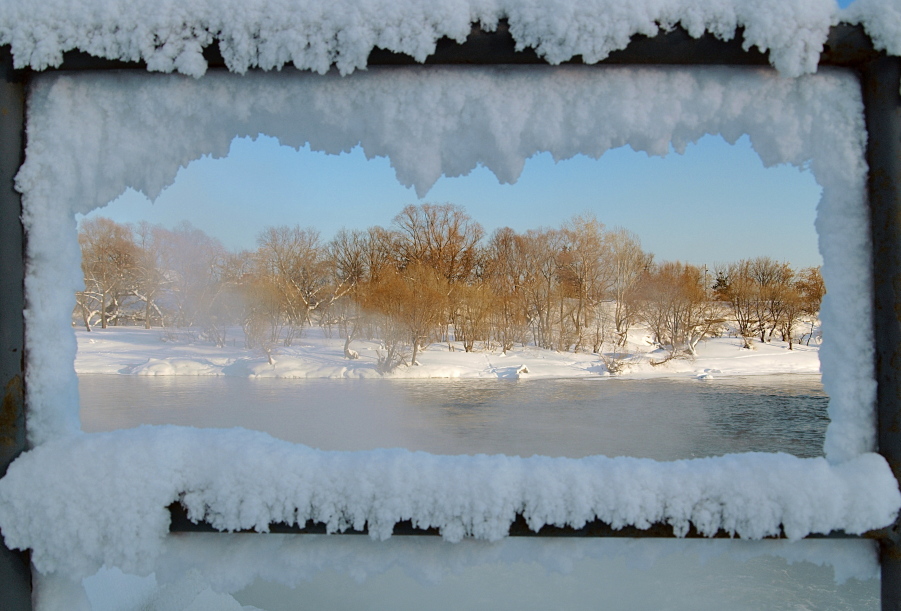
<point x="433" y="275"/>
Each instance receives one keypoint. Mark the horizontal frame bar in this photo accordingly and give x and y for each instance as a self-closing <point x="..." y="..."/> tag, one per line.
<point x="181" y="523"/>
<point x="847" y="46"/>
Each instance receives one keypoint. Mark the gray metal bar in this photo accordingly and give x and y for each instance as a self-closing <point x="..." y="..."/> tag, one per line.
<point x="880" y="81"/>
<point x="180" y="523"/>
<point x="675" y="47"/>
<point x="847" y="45"/>
<point x="15" y="568"/>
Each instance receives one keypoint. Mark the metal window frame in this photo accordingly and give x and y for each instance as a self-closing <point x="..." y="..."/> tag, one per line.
<point x="847" y="46"/>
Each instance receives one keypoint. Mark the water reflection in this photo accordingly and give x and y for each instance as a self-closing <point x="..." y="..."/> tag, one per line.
<point x="660" y="419"/>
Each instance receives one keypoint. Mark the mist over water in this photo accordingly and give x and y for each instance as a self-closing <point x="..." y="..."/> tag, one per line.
<point x="659" y="419"/>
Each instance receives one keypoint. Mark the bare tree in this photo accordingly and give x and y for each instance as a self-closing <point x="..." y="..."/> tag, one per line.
<point x="429" y="278"/>
<point x="263" y="316"/>
<point x="475" y="305"/>
<point x="108" y="260"/>
<point x="441" y="236"/>
<point x="444" y="238"/>
<point x="293" y="261"/>
<point x="348" y="253"/>
<point x="812" y="288"/>
<point x="772" y="282"/>
<point x="791" y="309"/>
<point x="506" y="270"/>
<point x="411" y="302"/>
<point x="150" y="277"/>
<point x="676" y="308"/>
<point x="540" y="283"/>
<point x="225" y="301"/>
<point x="629" y="263"/>
<point x="739" y="289"/>
<point x="584" y="271"/>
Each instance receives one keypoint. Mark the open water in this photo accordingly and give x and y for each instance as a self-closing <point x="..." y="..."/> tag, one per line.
<point x="659" y="419"/>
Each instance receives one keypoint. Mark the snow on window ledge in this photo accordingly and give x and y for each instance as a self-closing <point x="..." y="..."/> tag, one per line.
<point x="80" y="500"/>
<point x="109" y="493"/>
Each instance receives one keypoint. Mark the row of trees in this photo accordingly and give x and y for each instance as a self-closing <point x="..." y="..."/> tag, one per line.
<point x="765" y="296"/>
<point x="431" y="275"/>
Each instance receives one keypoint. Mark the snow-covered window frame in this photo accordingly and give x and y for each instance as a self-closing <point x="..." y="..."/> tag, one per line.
<point x="857" y="486"/>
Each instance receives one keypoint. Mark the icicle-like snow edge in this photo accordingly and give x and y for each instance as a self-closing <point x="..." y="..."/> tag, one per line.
<point x="314" y="35"/>
<point x="95" y="499"/>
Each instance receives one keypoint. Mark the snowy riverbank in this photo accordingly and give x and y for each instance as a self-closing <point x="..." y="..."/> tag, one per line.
<point x="136" y="351"/>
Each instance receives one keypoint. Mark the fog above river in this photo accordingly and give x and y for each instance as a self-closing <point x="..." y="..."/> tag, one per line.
<point x="660" y="419"/>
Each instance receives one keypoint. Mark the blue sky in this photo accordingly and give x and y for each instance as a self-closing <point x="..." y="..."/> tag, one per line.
<point x="716" y="203"/>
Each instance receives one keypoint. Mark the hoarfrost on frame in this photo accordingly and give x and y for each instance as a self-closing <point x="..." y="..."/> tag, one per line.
<point x="92" y="136"/>
<point x="313" y="35"/>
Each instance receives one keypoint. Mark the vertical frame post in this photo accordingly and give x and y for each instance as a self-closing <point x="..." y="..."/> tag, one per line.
<point x="15" y="568"/>
<point x="880" y="81"/>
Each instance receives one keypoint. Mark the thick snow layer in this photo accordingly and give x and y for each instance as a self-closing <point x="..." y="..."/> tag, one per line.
<point x="106" y="493"/>
<point x="315" y="35"/>
<point x="92" y="136"/>
<point x="137" y="351"/>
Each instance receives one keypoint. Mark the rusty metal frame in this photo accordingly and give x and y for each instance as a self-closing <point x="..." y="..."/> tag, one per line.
<point x="847" y="47"/>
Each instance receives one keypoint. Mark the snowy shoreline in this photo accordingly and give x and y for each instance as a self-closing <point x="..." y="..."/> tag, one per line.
<point x="162" y="352"/>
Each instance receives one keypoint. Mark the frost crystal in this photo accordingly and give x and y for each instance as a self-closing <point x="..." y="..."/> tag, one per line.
<point x="314" y="35"/>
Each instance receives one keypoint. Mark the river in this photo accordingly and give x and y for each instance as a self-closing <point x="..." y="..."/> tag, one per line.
<point x="659" y="418"/>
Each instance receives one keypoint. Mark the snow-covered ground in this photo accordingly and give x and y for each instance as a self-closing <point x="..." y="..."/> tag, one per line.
<point x="136" y="351"/>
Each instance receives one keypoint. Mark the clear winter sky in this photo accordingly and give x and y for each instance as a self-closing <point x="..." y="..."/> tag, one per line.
<point x="714" y="204"/>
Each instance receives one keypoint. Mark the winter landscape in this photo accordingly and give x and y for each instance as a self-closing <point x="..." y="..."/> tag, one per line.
<point x="429" y="297"/>
<point x="451" y="317"/>
<point x="389" y="303"/>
